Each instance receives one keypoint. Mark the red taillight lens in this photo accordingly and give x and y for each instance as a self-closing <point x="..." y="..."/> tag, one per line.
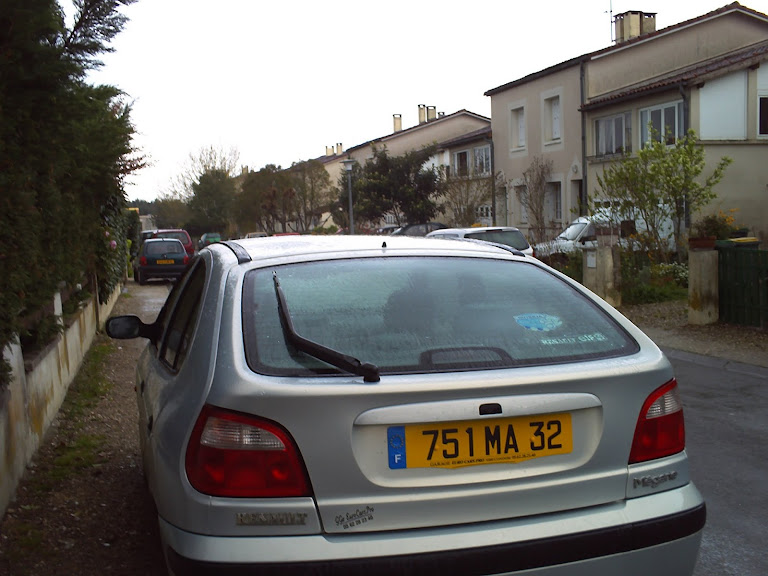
<point x="186" y="259"/>
<point x="237" y="455"/>
<point x="143" y="260"/>
<point x="660" y="428"/>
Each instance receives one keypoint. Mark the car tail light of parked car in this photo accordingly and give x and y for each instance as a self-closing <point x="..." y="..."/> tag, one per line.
<point x="236" y="455"/>
<point x="661" y="428"/>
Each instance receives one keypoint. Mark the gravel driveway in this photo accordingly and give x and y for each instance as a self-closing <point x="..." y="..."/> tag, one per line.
<point x="82" y="507"/>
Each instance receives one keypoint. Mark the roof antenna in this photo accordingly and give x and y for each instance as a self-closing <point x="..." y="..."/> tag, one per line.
<point x="610" y="13"/>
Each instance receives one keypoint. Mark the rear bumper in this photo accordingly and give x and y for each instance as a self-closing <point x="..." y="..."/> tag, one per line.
<point x="168" y="271"/>
<point x="625" y="538"/>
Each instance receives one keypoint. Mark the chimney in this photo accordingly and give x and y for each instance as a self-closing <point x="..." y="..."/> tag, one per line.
<point x="329" y="150"/>
<point x="398" y="121"/>
<point x="339" y="148"/>
<point x="632" y="24"/>
<point x="422" y="113"/>
<point x="431" y="113"/>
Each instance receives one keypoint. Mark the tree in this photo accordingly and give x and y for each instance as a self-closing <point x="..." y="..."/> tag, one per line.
<point x="399" y="185"/>
<point x="65" y="149"/>
<point x="266" y="200"/>
<point x="171" y="212"/>
<point x="532" y="197"/>
<point x="312" y="186"/>
<point x="205" y="160"/>
<point x="658" y="185"/>
<point x="211" y="202"/>
<point x="464" y="195"/>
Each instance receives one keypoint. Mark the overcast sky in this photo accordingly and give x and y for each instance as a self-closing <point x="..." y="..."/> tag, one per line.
<point x="280" y="81"/>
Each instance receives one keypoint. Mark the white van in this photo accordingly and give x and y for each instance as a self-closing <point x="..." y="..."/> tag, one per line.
<point x="582" y="233"/>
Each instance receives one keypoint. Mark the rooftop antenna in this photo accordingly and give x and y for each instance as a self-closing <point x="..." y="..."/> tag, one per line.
<point x="610" y="15"/>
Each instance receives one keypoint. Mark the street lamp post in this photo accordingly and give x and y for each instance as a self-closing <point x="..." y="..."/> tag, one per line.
<point x="348" y="163"/>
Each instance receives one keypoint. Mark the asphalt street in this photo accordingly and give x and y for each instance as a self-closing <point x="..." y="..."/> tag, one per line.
<point x="725" y="405"/>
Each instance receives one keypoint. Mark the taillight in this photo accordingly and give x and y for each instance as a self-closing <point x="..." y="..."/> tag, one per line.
<point x="186" y="259"/>
<point x="660" y="428"/>
<point x="143" y="260"/>
<point x="237" y="455"/>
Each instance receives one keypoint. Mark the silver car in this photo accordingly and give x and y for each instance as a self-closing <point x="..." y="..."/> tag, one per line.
<point x="394" y="405"/>
<point x="506" y="235"/>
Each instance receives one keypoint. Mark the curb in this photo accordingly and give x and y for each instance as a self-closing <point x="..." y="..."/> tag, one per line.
<point x="720" y="363"/>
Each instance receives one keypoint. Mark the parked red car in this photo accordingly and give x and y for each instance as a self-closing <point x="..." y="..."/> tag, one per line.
<point x="180" y="235"/>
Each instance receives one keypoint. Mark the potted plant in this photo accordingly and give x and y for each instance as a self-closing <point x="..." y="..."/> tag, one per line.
<point x="711" y="228"/>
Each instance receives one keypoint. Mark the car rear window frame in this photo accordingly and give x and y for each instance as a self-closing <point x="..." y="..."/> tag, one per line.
<point x="254" y="326"/>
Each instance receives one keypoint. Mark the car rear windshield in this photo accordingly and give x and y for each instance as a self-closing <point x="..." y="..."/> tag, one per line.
<point x="181" y="236"/>
<point x="153" y="248"/>
<point x="513" y="238"/>
<point x="424" y="314"/>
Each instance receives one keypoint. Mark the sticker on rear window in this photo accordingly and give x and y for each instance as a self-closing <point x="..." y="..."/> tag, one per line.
<point x="538" y="322"/>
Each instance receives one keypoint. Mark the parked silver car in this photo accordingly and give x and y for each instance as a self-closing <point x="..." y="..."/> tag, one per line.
<point x="507" y="235"/>
<point x="394" y="405"/>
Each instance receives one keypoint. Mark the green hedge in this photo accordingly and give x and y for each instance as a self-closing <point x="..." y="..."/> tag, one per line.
<point x="65" y="149"/>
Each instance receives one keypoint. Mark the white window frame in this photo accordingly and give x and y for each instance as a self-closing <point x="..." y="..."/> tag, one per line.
<point x="518" y="140"/>
<point x="482" y="160"/>
<point x="553" y="122"/>
<point x="456" y="155"/>
<point x="607" y="125"/>
<point x="554" y="200"/>
<point x="762" y="111"/>
<point x="676" y="108"/>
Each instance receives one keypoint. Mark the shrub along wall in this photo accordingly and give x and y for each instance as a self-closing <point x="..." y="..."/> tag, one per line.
<point x="65" y="148"/>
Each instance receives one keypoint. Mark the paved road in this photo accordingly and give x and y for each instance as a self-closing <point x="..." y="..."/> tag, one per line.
<point x="726" y="409"/>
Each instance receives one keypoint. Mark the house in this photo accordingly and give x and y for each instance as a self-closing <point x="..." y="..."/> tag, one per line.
<point x="433" y="128"/>
<point x="709" y="74"/>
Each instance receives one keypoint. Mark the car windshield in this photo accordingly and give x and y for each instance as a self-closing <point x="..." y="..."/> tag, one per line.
<point x="152" y="248"/>
<point x="513" y="238"/>
<point x="424" y="314"/>
<point x="572" y="232"/>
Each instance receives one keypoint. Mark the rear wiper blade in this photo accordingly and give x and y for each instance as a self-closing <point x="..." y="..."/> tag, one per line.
<point x="369" y="372"/>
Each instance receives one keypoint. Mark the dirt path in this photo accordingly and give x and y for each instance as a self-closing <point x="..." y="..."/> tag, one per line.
<point x="82" y="507"/>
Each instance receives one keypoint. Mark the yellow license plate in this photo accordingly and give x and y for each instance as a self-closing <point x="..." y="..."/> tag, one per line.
<point x="477" y="442"/>
<point x="165" y="261"/>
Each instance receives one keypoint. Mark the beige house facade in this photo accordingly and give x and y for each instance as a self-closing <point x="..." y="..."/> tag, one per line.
<point x="432" y="128"/>
<point x="709" y="74"/>
<point x="537" y="116"/>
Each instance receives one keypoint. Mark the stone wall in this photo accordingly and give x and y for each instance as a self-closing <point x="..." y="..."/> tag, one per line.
<point x="38" y="388"/>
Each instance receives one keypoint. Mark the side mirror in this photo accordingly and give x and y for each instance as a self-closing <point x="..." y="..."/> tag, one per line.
<point x="129" y="327"/>
<point x="586" y="239"/>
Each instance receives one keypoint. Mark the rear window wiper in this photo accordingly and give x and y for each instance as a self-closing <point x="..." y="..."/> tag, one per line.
<point x="369" y="372"/>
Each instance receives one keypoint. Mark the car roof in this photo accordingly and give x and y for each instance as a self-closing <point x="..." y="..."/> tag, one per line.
<point x="297" y="247"/>
<point x="153" y="240"/>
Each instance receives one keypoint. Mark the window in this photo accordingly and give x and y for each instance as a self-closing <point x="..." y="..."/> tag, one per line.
<point x="482" y="160"/>
<point x="184" y="316"/>
<point x="461" y="163"/>
<point x="553" y="201"/>
<point x="517" y="128"/>
<point x="454" y="313"/>
<point x="552" y="128"/>
<point x="613" y="134"/>
<point x="483" y="214"/>
<point x="522" y="194"/>
<point x="763" y="116"/>
<point x="665" y="121"/>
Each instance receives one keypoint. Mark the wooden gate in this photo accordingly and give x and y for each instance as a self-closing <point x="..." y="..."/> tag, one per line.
<point x="743" y="286"/>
